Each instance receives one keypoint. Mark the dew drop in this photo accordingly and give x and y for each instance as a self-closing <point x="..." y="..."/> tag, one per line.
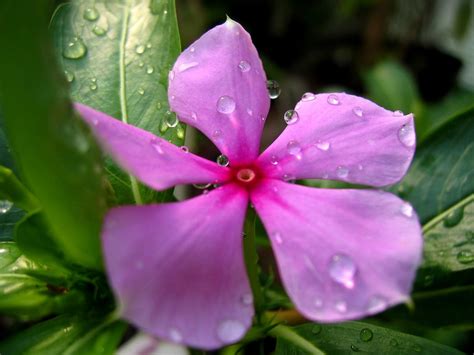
<point x="454" y="217"/>
<point x="171" y="75"/>
<point x="180" y="131"/>
<point x="406" y="135"/>
<point x="99" y="31"/>
<point x="376" y="304"/>
<point x="141" y="64"/>
<point x="354" y="348"/>
<point x="308" y="96"/>
<point x="358" y="111"/>
<point x="342" y="269"/>
<point x="318" y="303"/>
<point x="274" y="160"/>
<point x="170" y="119"/>
<point x="91" y="14"/>
<point x="293" y="147"/>
<point x="202" y="186"/>
<point x="333" y="100"/>
<point x="226" y="105"/>
<point x="222" y="160"/>
<point x="341" y="306"/>
<point x="247" y="299"/>
<point x="397" y="113"/>
<point x="150" y="69"/>
<point x="465" y="257"/>
<point x="250" y="112"/>
<point x="289" y="178"/>
<point x="230" y="331"/>
<point x="366" y="335"/>
<point x="393" y="342"/>
<point x="93" y="86"/>
<point x="140" y="49"/>
<point x="194" y="116"/>
<point x="316" y="329"/>
<point x="217" y="134"/>
<point x="141" y="91"/>
<point x="324" y="146"/>
<point x="273" y="89"/>
<point x="185" y="66"/>
<point x="406" y="209"/>
<point x="342" y="172"/>
<point x="148" y="45"/>
<point x="291" y="117"/>
<point x="5" y="206"/>
<point x="244" y="66"/>
<point x="184" y="149"/>
<point x="69" y="76"/>
<point x="156" y="144"/>
<point x="175" y="335"/>
<point x="75" y="49"/>
<point x="277" y="237"/>
<point x="192" y="49"/>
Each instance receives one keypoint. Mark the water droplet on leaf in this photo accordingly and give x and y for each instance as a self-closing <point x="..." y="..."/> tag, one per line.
<point x="99" y="31"/>
<point x="366" y="334"/>
<point x="150" y="69"/>
<point x="465" y="257"/>
<point x="5" y="206"/>
<point x="316" y="329"/>
<point x="91" y="14"/>
<point x="75" y="49"/>
<point x="170" y="119"/>
<point x="454" y="217"/>
<point x="69" y="76"/>
<point x="140" y="49"/>
<point x="141" y="91"/>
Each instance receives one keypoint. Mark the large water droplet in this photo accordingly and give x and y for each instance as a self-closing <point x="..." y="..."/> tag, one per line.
<point x="407" y="136"/>
<point x="170" y="119"/>
<point x="293" y="147"/>
<point x="376" y="304"/>
<point x="273" y="89"/>
<point x="454" y="217"/>
<point x="99" y="30"/>
<point x="69" y="76"/>
<point x="225" y="104"/>
<point x="91" y="14"/>
<point x="406" y="209"/>
<point x="277" y="237"/>
<point x="324" y="146"/>
<point x="75" y="49"/>
<point x="342" y="269"/>
<point x="341" y="306"/>
<point x="333" y="100"/>
<point x="358" y="111"/>
<point x="230" y="331"/>
<point x="244" y="66"/>
<point x="185" y="66"/>
<point x="465" y="257"/>
<point x="342" y="172"/>
<point x="366" y="334"/>
<point x="175" y="335"/>
<point x="140" y="49"/>
<point x="222" y="160"/>
<point x="291" y="117"/>
<point x="5" y="206"/>
<point x="308" y="96"/>
<point x="247" y="299"/>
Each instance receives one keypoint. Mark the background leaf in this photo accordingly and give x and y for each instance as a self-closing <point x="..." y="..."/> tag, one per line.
<point x="116" y="54"/>
<point x="55" y="152"/>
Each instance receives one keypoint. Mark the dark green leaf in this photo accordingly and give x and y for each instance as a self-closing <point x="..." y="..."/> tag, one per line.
<point x="55" y="151"/>
<point x="12" y="190"/>
<point x="117" y="55"/>
<point x="8" y="219"/>
<point x="350" y="337"/>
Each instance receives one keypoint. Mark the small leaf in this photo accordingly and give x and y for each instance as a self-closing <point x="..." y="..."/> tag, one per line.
<point x="350" y="337"/>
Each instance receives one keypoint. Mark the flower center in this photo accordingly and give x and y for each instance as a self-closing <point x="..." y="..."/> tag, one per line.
<point x="246" y="175"/>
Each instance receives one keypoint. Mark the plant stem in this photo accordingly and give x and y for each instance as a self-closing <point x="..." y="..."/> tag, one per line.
<point x="281" y="331"/>
<point x="251" y="261"/>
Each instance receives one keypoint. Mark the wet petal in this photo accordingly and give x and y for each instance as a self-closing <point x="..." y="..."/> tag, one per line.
<point x="152" y="160"/>
<point x="218" y="86"/>
<point x="143" y="344"/>
<point x="342" y="254"/>
<point x="178" y="269"/>
<point x="343" y="137"/>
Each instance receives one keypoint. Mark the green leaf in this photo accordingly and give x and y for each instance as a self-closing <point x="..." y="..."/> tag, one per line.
<point x="350" y="337"/>
<point x="12" y="189"/>
<point x="117" y="55"/>
<point x="8" y="220"/>
<point x="56" y="153"/>
<point x="67" y="334"/>
<point x="392" y="86"/>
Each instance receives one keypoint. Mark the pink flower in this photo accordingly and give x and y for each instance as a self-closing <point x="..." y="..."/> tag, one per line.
<point x="178" y="270"/>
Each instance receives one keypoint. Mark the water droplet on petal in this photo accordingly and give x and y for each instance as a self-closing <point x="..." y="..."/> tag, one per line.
<point x="273" y="89"/>
<point x="324" y="146"/>
<point x="69" y="76"/>
<point x="99" y="30"/>
<point x="192" y="49"/>
<point x="333" y="100"/>
<point x="341" y="306"/>
<point x="393" y="342"/>
<point x="75" y="49"/>
<point x="465" y="257"/>
<point x="222" y="160"/>
<point x="274" y="160"/>
<point x="291" y="117"/>
<point x="5" y="206"/>
<point x="171" y="75"/>
<point x="170" y="119"/>
<point x="150" y="69"/>
<point x="289" y="178"/>
<point x="217" y="134"/>
<point x="156" y="144"/>
<point x="316" y="329"/>
<point x="366" y="335"/>
<point x="250" y="112"/>
<point x="397" y="113"/>
<point x="407" y="136"/>
<point x="175" y="335"/>
<point x="91" y="14"/>
<point x="226" y="105"/>
<point x="358" y="111"/>
<point x="277" y="237"/>
<point x="247" y="299"/>
<point x="454" y="217"/>
<point x="185" y="66"/>
<point x="244" y="66"/>
<point x="318" y="303"/>
<point x="342" y="172"/>
<point x="406" y="209"/>
<point x="140" y="49"/>
<point x="230" y="331"/>
<point x="342" y="269"/>
<point x="293" y="147"/>
<point x="308" y="96"/>
<point x="376" y="304"/>
<point x="184" y="149"/>
<point x="194" y="116"/>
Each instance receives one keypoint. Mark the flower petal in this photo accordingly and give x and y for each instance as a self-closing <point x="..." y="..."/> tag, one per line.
<point x="343" y="137"/>
<point x="152" y="160"/>
<point x="342" y="254"/>
<point x="178" y="269"/>
<point x="143" y="344"/>
<point x="218" y="86"/>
